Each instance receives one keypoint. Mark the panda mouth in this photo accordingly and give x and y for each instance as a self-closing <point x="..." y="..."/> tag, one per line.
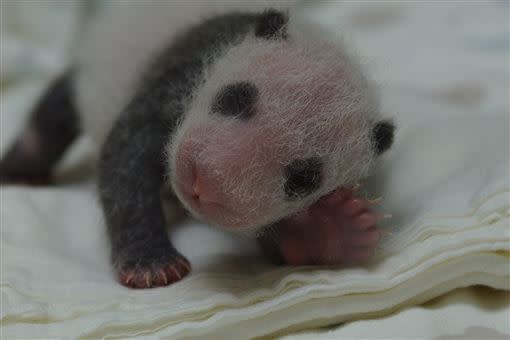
<point x="212" y="212"/>
<point x="202" y="198"/>
<point x="201" y="203"/>
<point x="200" y="189"/>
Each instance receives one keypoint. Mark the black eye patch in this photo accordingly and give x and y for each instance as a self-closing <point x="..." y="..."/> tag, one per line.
<point x="271" y="25"/>
<point x="382" y="135"/>
<point x="236" y="100"/>
<point x="303" y="177"/>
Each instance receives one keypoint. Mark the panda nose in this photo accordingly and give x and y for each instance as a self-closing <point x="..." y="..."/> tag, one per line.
<point x="204" y="187"/>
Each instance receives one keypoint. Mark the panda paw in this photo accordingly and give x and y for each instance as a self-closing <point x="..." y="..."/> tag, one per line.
<point x="150" y="270"/>
<point x="12" y="178"/>
<point x="338" y="229"/>
<point x="18" y="168"/>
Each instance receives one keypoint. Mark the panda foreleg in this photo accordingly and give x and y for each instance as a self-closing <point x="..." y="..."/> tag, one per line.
<point x="131" y="174"/>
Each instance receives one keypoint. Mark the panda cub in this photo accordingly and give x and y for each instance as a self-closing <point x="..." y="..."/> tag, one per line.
<point x="250" y="119"/>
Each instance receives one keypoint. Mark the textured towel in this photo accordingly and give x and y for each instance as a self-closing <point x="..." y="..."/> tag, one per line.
<point x="444" y="75"/>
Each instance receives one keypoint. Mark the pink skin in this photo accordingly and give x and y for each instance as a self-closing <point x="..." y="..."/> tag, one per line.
<point x="227" y="171"/>
<point x="154" y="275"/>
<point x="25" y="152"/>
<point x="338" y="229"/>
<point x="201" y="186"/>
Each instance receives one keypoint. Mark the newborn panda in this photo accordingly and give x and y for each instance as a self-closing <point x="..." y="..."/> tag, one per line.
<point x="251" y="120"/>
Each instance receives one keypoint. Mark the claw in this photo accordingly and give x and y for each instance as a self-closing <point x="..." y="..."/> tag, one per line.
<point x="385" y="232"/>
<point x="129" y="277"/>
<point x="163" y="275"/>
<point x="381" y="216"/>
<point x="176" y="272"/>
<point x="375" y="201"/>
<point x="185" y="264"/>
<point x="147" y="279"/>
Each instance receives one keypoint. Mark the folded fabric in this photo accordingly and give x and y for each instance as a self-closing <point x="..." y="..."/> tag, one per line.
<point x="468" y="313"/>
<point x="53" y="283"/>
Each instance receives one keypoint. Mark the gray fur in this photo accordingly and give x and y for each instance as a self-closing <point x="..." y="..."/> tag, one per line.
<point x="54" y="124"/>
<point x="131" y="166"/>
<point x="133" y="160"/>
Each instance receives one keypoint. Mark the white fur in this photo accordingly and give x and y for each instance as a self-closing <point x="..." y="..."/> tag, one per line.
<point x="336" y="129"/>
<point x="120" y="43"/>
<point x="294" y="125"/>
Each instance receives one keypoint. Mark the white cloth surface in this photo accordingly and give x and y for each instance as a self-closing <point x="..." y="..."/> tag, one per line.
<point x="443" y="71"/>
<point x="470" y="313"/>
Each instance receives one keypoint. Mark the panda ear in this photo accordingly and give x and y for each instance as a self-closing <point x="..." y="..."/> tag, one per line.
<point x="271" y="25"/>
<point x="382" y="136"/>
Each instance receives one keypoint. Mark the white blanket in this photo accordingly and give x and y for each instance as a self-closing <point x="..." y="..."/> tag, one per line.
<point x="443" y="70"/>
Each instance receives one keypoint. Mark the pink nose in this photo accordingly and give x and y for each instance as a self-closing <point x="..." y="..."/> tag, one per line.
<point x="198" y="188"/>
<point x="204" y="189"/>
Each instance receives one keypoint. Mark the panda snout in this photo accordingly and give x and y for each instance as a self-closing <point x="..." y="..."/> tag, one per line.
<point x="196" y="181"/>
<point x="203" y="188"/>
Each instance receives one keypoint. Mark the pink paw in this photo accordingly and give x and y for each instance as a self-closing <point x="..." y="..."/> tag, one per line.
<point x="338" y="229"/>
<point x="155" y="274"/>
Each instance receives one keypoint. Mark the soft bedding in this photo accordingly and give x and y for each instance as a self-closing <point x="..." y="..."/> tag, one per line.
<point x="443" y="70"/>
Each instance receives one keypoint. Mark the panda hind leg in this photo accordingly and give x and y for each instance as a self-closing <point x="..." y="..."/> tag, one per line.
<point x="52" y="127"/>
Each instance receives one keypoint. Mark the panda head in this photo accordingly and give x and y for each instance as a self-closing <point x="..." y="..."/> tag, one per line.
<point x="280" y="120"/>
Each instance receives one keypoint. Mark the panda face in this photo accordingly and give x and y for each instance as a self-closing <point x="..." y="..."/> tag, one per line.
<point x="275" y="125"/>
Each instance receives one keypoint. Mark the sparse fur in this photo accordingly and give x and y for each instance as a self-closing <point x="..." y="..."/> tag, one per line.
<point x="131" y="165"/>
<point x="260" y="113"/>
<point x="306" y="109"/>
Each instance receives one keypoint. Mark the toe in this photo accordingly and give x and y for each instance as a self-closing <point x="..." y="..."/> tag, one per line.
<point x="172" y="273"/>
<point x="142" y="279"/>
<point x="183" y="266"/>
<point x="126" y="277"/>
<point x="354" y="207"/>
<point x="336" y="197"/>
<point x="368" y="238"/>
<point x="365" y="220"/>
<point x="159" y="277"/>
<point x="155" y="274"/>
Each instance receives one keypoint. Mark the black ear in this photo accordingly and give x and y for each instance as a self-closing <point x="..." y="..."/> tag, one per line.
<point x="382" y="136"/>
<point x="271" y="25"/>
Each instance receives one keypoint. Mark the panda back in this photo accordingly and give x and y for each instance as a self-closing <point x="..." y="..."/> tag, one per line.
<point x="121" y="43"/>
